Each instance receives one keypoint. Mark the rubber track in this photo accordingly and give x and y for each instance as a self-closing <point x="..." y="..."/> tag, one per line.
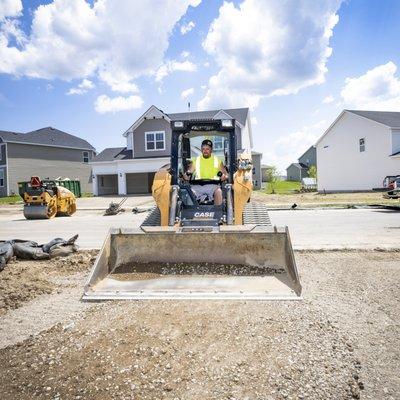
<point x="153" y="218"/>
<point x="254" y="213"/>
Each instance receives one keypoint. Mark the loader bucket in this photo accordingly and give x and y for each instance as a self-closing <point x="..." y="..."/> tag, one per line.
<point x="233" y="262"/>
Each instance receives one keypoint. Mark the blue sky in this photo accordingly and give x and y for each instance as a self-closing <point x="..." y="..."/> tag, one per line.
<point x="91" y="68"/>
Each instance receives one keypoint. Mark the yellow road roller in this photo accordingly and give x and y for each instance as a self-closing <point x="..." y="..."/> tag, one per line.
<point x="44" y="199"/>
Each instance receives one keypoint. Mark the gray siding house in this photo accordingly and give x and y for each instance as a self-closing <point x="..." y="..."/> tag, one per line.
<point x="298" y="171"/>
<point x="131" y="169"/>
<point x="47" y="153"/>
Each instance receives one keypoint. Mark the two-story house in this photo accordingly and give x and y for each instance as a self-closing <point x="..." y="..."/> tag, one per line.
<point x="298" y="171"/>
<point x="131" y="169"/>
<point x="47" y="153"/>
<point x="358" y="150"/>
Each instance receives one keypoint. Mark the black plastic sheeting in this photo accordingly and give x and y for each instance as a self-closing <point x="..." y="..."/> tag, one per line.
<point x="29" y="250"/>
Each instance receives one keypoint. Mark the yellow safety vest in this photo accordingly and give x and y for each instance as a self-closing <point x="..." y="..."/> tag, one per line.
<point x="207" y="168"/>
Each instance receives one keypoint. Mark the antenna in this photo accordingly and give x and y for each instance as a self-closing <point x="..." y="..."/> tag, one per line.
<point x="189" y="106"/>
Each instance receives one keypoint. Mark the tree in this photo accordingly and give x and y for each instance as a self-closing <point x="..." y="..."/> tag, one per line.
<point x="272" y="177"/>
<point x="312" y="172"/>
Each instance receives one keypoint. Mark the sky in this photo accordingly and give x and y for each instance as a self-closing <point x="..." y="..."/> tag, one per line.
<point x="91" y="68"/>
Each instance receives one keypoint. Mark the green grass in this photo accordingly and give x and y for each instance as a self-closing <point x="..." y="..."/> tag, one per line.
<point x="10" y="200"/>
<point x="87" y="194"/>
<point x="283" y="187"/>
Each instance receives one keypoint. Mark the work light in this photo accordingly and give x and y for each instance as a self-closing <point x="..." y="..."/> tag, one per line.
<point x="178" y="124"/>
<point x="227" y="123"/>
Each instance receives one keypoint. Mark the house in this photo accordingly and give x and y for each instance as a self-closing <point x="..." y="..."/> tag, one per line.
<point x="130" y="169"/>
<point x="358" y="150"/>
<point x="298" y="171"/>
<point x="47" y="153"/>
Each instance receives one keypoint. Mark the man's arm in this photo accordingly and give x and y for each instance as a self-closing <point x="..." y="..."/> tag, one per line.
<point x="190" y="170"/>
<point x="225" y="175"/>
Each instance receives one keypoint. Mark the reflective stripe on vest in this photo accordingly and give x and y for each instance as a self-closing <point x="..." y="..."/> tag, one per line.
<point x="198" y="167"/>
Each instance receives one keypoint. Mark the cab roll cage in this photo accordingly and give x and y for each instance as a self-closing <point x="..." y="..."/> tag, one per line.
<point x="201" y="126"/>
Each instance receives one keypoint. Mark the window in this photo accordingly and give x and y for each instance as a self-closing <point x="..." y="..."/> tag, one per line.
<point x="218" y="143"/>
<point x="362" y="145"/>
<point x="155" y="141"/>
<point x="85" y="157"/>
<point x="2" y="178"/>
<point x="2" y="147"/>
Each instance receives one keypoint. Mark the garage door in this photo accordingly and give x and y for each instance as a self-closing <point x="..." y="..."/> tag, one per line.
<point x="107" y="184"/>
<point x="139" y="183"/>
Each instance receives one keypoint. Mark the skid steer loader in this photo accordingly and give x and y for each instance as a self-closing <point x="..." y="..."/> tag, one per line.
<point x="193" y="249"/>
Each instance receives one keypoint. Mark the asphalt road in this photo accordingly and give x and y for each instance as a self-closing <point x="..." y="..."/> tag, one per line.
<point x="309" y="229"/>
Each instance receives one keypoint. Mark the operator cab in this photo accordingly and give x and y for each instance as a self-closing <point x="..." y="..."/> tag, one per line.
<point x="187" y="137"/>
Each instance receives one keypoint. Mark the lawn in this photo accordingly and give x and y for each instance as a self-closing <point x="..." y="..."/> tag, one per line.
<point x="283" y="187"/>
<point x="10" y="199"/>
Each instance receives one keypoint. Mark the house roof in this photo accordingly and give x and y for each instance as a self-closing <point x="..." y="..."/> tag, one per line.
<point x="298" y="165"/>
<point x="313" y="146"/>
<point x="388" y="118"/>
<point x="239" y="114"/>
<point x="47" y="137"/>
<point x="113" y="153"/>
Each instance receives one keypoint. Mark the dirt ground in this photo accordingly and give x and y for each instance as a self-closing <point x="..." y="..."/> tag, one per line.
<point x="341" y="342"/>
<point x="313" y="198"/>
<point x="22" y="281"/>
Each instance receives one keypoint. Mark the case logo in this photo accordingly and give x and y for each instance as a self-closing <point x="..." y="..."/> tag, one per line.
<point x="204" y="214"/>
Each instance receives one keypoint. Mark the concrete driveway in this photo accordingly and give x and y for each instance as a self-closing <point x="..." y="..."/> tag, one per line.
<point x="309" y="229"/>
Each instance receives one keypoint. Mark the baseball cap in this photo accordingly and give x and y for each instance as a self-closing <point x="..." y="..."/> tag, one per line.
<point x="207" y="142"/>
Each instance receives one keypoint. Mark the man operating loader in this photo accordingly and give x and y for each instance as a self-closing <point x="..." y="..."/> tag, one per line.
<point x="204" y="167"/>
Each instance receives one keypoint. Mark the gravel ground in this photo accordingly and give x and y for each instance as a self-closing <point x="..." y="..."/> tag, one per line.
<point x="340" y="342"/>
<point x="310" y="198"/>
<point x="22" y="281"/>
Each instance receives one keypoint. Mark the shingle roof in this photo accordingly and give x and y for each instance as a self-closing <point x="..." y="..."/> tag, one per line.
<point x="113" y="153"/>
<point x="240" y="114"/>
<point x="47" y="136"/>
<point x="298" y="165"/>
<point x="388" y="118"/>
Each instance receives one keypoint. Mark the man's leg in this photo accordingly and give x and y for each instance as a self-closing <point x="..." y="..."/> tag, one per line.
<point x="218" y="196"/>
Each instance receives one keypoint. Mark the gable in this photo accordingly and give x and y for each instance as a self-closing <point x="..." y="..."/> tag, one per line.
<point x="152" y="113"/>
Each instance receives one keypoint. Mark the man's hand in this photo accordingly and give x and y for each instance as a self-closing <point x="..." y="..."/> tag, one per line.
<point x="187" y="175"/>
<point x="224" y="177"/>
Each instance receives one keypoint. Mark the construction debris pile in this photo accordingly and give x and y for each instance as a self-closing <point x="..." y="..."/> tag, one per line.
<point x="29" y="250"/>
<point x="115" y="208"/>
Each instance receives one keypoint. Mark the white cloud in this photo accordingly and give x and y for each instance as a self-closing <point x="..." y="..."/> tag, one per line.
<point x="328" y="99"/>
<point x="185" y="54"/>
<point x="49" y="87"/>
<point x="187" y="27"/>
<point x="119" y="81"/>
<point x="287" y="149"/>
<point x="268" y="48"/>
<point x="74" y="39"/>
<point x="10" y="9"/>
<point x="82" y="88"/>
<point x="186" y="93"/>
<point x="377" y="89"/>
<point x="172" y="66"/>
<point x="206" y="64"/>
<point x="254" y="120"/>
<point x="105" y="104"/>
<point x="203" y="87"/>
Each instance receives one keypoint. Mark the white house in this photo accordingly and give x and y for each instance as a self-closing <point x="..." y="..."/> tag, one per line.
<point x="358" y="150"/>
<point x="130" y="169"/>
